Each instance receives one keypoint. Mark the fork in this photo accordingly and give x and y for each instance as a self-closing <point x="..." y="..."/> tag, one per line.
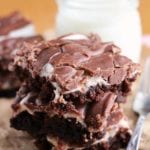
<point x="141" y="106"/>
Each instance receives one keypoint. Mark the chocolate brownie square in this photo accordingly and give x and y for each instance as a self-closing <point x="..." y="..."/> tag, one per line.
<point x="71" y="95"/>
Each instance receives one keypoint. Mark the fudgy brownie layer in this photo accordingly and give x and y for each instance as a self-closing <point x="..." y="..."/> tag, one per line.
<point x="77" y="62"/>
<point x="12" y="22"/>
<point x="92" y="110"/>
<point x="69" y="130"/>
<point x="37" y="112"/>
<point x="43" y="144"/>
<point x="119" y="141"/>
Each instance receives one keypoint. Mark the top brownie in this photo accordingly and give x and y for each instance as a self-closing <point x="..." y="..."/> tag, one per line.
<point x="12" y="22"/>
<point x="72" y="92"/>
<point x="77" y="62"/>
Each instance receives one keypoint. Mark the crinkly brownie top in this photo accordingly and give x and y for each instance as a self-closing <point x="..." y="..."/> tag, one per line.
<point x="12" y="22"/>
<point x="77" y="62"/>
<point x="8" y="45"/>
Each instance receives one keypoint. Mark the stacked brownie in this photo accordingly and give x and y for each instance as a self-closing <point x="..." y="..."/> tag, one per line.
<point x="15" y="25"/>
<point x="9" y="81"/>
<point x="72" y="91"/>
<point x="14" y="30"/>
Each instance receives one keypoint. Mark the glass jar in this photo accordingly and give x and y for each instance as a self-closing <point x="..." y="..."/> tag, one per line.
<point x="113" y="20"/>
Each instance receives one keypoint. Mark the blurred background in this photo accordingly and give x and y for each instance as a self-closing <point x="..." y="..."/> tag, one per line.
<point x="43" y="12"/>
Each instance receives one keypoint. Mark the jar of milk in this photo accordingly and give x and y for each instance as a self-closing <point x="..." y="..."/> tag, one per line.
<point x="113" y="20"/>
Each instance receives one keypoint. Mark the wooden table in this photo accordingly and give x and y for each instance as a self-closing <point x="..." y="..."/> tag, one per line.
<point x="41" y="12"/>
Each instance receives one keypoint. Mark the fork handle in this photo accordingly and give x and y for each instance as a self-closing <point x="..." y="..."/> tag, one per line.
<point x="135" y="139"/>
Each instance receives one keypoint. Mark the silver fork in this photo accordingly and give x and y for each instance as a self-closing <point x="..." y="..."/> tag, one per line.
<point x="141" y="106"/>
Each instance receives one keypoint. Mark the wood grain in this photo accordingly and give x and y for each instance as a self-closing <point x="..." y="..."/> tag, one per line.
<point x="145" y="15"/>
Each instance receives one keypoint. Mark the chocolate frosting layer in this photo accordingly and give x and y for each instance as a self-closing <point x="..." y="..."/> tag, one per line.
<point x="73" y="59"/>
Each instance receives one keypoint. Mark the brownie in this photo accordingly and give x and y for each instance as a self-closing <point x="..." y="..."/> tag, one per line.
<point x="14" y="29"/>
<point x="15" y="25"/>
<point x="9" y="81"/>
<point x="71" y="93"/>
